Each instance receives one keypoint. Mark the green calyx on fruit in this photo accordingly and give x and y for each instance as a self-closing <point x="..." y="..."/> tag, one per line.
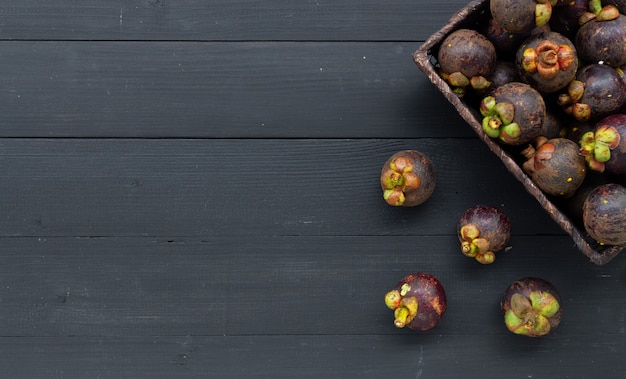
<point x="543" y="13"/>
<point x="571" y="104"/>
<point x="405" y="308"/>
<point x="397" y="179"/>
<point x="459" y="82"/>
<point x="529" y="315"/>
<point x="475" y="247"/>
<point x="498" y="120"/>
<point x="599" y="13"/>
<point x="548" y="58"/>
<point x="596" y="146"/>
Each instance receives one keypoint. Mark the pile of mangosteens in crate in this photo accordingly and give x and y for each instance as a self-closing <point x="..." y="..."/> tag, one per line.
<point x="548" y="78"/>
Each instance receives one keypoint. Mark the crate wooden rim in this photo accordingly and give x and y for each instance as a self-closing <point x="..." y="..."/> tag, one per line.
<point x="422" y="57"/>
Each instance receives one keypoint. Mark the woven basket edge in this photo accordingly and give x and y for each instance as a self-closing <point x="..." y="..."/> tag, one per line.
<point x="421" y="57"/>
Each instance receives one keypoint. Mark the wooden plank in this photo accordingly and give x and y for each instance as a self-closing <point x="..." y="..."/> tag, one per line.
<point x="298" y="285"/>
<point x="219" y="90"/>
<point x="431" y="356"/>
<point x="223" y="20"/>
<point x="113" y="187"/>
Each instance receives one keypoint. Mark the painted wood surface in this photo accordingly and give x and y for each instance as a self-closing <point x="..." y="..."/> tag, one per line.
<point x="190" y="190"/>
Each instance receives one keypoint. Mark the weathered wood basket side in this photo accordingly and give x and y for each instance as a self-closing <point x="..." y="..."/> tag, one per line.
<point x="425" y="60"/>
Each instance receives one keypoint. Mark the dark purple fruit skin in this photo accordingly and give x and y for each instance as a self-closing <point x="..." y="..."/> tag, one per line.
<point x="541" y="84"/>
<point x="604" y="214"/>
<point x="572" y="206"/>
<point x="575" y="129"/>
<point x="505" y="42"/>
<point x="602" y="41"/>
<point x="616" y="165"/>
<point x="422" y="168"/>
<point x="530" y="109"/>
<point x="605" y="90"/>
<point x="504" y="72"/>
<point x="493" y="223"/>
<point x="556" y="166"/>
<point x="525" y="287"/>
<point x="565" y="18"/>
<point x="516" y="16"/>
<point x="552" y="126"/>
<point x="468" y="52"/>
<point x="431" y="297"/>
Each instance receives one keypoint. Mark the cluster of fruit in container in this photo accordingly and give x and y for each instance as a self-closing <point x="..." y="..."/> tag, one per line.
<point x="548" y="80"/>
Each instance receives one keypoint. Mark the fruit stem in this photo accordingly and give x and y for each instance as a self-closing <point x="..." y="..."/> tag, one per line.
<point x="595" y="6"/>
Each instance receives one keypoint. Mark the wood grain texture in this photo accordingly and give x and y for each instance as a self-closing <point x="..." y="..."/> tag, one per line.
<point x="190" y="190"/>
<point x="219" y="90"/>
<point x="222" y="20"/>
<point x="424" y="356"/>
<point x="319" y="285"/>
<point x="113" y="187"/>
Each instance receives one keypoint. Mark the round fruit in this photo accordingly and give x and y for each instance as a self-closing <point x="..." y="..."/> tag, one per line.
<point x="503" y="73"/>
<point x="572" y="206"/>
<point x="514" y="113"/>
<point x="552" y="126"/>
<point x="531" y="307"/>
<point x="505" y="42"/>
<point x="407" y="179"/>
<point x="604" y="148"/>
<point x="566" y="17"/>
<point x="547" y="61"/>
<point x="604" y="214"/>
<point x="602" y="38"/>
<point x="520" y="16"/>
<point x="466" y="58"/>
<point x="597" y="91"/>
<point x="555" y="166"/>
<point x="483" y="230"/>
<point x="418" y="302"/>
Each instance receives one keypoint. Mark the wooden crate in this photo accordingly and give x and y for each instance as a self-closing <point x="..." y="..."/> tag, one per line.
<point x="471" y="16"/>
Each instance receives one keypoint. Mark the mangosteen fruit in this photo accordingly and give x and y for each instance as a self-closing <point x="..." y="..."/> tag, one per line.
<point x="407" y="179"/>
<point x="521" y="16"/>
<point x="504" y="72"/>
<point x="566" y="17"/>
<point x="604" y="214"/>
<point x="601" y="39"/>
<point x="604" y="148"/>
<point x="466" y="58"/>
<point x="572" y="206"/>
<point x="505" y="42"/>
<point x="531" y="307"/>
<point x="418" y="301"/>
<point x="552" y="126"/>
<point x="574" y="130"/>
<point x="597" y="91"/>
<point x="514" y="113"/>
<point x="555" y="165"/>
<point x="483" y="230"/>
<point x="547" y="61"/>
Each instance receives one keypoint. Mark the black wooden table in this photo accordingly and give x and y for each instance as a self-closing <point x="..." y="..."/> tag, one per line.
<point x="190" y="190"/>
